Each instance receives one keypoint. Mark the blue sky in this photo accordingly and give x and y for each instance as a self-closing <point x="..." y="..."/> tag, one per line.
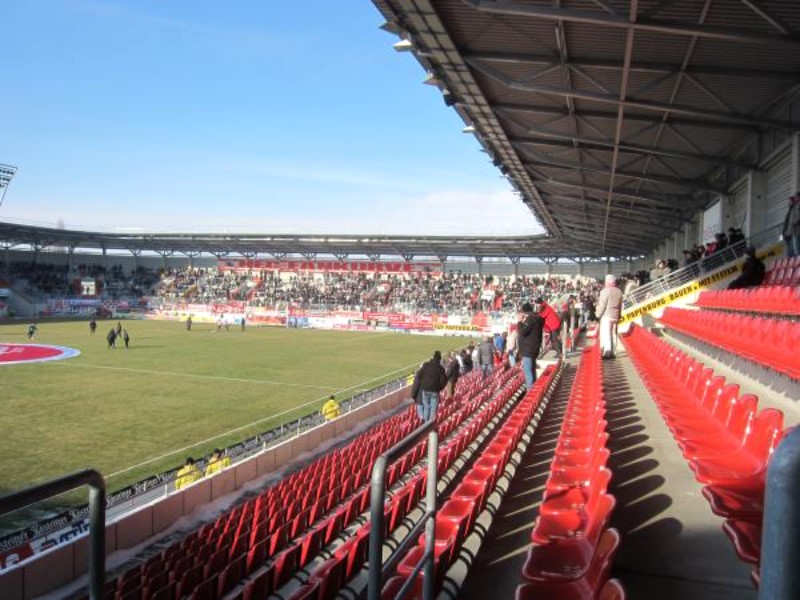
<point x="263" y="116"/>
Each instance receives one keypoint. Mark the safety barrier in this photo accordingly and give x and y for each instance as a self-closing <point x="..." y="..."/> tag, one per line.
<point x="378" y="570"/>
<point x="97" y="516"/>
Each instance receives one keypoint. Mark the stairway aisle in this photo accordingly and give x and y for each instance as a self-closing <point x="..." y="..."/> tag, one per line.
<point x="495" y="571"/>
<point x="673" y="546"/>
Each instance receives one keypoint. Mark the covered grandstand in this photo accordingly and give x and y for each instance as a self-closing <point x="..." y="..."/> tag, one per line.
<point x="633" y="130"/>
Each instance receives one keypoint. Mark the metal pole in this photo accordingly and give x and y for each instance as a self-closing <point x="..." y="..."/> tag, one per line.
<point x="97" y="529"/>
<point x="97" y="516"/>
<point x="780" y="540"/>
<point x="377" y="491"/>
<point x="430" y="527"/>
<point x="377" y="496"/>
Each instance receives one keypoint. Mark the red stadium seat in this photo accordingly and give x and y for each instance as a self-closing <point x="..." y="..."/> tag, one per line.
<point x="307" y="591"/>
<point x="746" y="538"/>
<point x="286" y="563"/>
<point x="231" y="576"/>
<point x="751" y="460"/>
<point x="260" y="587"/>
<point x="561" y="576"/>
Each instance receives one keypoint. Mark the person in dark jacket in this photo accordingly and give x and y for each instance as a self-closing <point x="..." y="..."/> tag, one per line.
<point x="529" y="341"/>
<point x="92" y="326"/>
<point x="429" y="381"/>
<point x="112" y="338"/>
<point x="466" y="361"/>
<point x="752" y="271"/>
<point x="126" y="338"/>
<point x="486" y="356"/>
<point x="452" y="372"/>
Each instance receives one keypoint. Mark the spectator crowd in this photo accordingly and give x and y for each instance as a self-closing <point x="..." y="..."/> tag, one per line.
<point x="447" y="293"/>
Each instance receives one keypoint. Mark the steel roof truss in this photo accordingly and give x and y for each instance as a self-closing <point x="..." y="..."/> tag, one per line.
<point x="636" y="67"/>
<point x="735" y="34"/>
<point x="629" y="102"/>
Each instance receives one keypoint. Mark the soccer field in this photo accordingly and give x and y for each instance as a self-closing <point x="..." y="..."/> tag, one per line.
<point x="175" y="393"/>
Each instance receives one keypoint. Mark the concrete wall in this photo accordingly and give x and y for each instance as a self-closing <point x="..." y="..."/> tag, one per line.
<point x="61" y="565"/>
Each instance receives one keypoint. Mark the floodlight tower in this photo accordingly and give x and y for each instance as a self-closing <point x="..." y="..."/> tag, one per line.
<point x="6" y="175"/>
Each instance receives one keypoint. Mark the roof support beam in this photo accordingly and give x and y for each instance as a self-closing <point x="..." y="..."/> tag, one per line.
<point x="644" y="227"/>
<point x="630" y="102"/>
<point x="673" y="201"/>
<point x="651" y="216"/>
<point x="762" y="12"/>
<point x="515" y="58"/>
<point x="600" y="114"/>
<point x="557" y="140"/>
<point x="619" y="243"/>
<point x="538" y="11"/>
<point x="538" y="160"/>
<point x="630" y="240"/>
<point x="623" y="87"/>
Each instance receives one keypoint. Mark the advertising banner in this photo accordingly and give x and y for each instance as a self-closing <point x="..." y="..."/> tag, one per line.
<point x="353" y="320"/>
<point x="329" y="266"/>
<point x="688" y="292"/>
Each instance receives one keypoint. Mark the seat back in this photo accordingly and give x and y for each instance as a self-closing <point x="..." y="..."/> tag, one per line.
<point x="331" y="577"/>
<point x="741" y="416"/>
<point x="701" y="383"/>
<point x="724" y="402"/>
<point x="765" y="434"/>
<point x="711" y="393"/>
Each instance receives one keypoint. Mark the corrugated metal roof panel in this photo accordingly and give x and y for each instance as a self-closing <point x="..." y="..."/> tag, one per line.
<point x="700" y="127"/>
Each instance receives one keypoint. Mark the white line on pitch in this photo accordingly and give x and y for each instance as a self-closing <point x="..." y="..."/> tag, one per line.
<point x="196" y="376"/>
<point x="269" y="418"/>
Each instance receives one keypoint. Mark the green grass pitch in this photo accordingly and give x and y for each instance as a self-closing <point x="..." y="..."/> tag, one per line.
<point x="176" y="393"/>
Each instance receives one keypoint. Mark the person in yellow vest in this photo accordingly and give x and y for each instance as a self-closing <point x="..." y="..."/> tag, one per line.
<point x="188" y="474"/>
<point x="330" y="410"/>
<point x="217" y="462"/>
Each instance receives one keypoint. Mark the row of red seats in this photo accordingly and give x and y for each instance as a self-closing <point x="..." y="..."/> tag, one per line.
<point x="330" y="576"/>
<point x="782" y="300"/>
<point x="785" y="271"/>
<point x="727" y="443"/>
<point x="277" y="572"/>
<point x="772" y="343"/>
<point x="573" y="547"/>
<point x="261" y="528"/>
<point x="457" y="516"/>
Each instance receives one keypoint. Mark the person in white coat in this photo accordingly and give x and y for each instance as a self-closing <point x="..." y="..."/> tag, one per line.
<point x="609" y="308"/>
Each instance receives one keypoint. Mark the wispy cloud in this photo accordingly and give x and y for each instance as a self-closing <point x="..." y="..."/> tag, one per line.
<point x="441" y="212"/>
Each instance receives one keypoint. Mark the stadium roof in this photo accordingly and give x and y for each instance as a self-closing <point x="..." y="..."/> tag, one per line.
<point x="617" y="120"/>
<point x="281" y="245"/>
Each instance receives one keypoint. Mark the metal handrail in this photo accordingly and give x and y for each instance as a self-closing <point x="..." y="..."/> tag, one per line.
<point x="688" y="273"/>
<point x="780" y="541"/>
<point x="97" y="516"/>
<point x="378" y="571"/>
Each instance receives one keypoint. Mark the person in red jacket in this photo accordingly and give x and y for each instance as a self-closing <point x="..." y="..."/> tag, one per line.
<point x="552" y="324"/>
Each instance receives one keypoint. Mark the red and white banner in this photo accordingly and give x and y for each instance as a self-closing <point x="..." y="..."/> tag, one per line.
<point x="329" y="266"/>
<point x="354" y="320"/>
